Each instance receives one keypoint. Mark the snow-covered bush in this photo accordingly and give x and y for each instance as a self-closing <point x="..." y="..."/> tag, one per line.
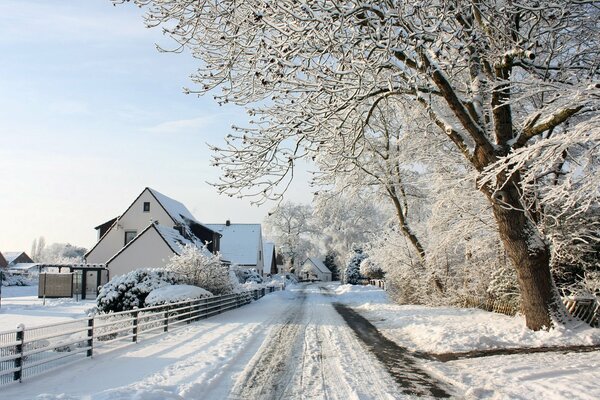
<point x="370" y="269"/>
<point x="202" y="268"/>
<point x="175" y="294"/>
<point x="248" y="275"/>
<point x="127" y="291"/>
<point x="14" y="280"/>
<point x="352" y="272"/>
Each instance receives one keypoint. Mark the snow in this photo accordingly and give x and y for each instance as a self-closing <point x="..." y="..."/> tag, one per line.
<point x="10" y="256"/>
<point x="293" y="344"/>
<point x="175" y="293"/>
<point x="240" y="242"/>
<point x="175" y="240"/>
<point x="175" y="209"/>
<point x="20" y="304"/>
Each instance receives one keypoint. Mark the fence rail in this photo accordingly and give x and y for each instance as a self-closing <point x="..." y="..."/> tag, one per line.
<point x="27" y="352"/>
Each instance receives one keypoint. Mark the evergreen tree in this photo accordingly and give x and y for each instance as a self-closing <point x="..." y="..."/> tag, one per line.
<point x="352" y="273"/>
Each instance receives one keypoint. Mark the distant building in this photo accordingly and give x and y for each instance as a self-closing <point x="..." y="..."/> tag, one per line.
<point x="3" y="262"/>
<point x="16" y="257"/>
<point x="314" y="269"/>
<point x="241" y="244"/>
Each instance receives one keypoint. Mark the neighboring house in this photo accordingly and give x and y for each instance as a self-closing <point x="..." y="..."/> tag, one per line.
<point x="3" y="262"/>
<point x="313" y="268"/>
<point x="241" y="244"/>
<point x="270" y="260"/>
<point x="16" y="257"/>
<point x="150" y="231"/>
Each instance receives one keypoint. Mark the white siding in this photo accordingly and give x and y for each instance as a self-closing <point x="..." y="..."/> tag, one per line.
<point x="135" y="219"/>
<point x="147" y="251"/>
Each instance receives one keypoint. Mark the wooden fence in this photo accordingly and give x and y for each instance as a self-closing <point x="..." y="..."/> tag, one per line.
<point x="27" y="352"/>
<point x="585" y="309"/>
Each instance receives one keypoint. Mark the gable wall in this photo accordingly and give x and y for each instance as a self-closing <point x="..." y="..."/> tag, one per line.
<point x="148" y="251"/>
<point x="134" y="219"/>
<point x="324" y="276"/>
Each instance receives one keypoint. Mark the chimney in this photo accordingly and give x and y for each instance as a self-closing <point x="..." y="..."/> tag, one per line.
<point x="227" y="223"/>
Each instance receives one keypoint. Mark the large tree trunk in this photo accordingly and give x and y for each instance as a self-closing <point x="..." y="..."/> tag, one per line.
<point x="531" y="257"/>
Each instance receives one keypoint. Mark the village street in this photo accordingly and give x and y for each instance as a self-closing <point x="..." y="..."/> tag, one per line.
<point x="312" y="341"/>
<point x="290" y="344"/>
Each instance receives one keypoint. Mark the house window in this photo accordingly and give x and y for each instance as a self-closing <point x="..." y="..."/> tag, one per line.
<point x="129" y="235"/>
<point x="259" y="255"/>
<point x="146" y="206"/>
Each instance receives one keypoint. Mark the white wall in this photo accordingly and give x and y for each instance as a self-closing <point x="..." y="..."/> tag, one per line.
<point x="148" y="251"/>
<point x="135" y="219"/>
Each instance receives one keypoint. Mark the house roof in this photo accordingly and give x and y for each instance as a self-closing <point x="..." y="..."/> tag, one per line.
<point x="10" y="256"/>
<point x="3" y="262"/>
<point x="319" y="264"/>
<point x="23" y="266"/>
<point x="239" y="243"/>
<point x="268" y="250"/>
<point x="175" y="209"/>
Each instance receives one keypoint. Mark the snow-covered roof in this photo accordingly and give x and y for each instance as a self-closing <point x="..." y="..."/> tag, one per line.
<point x="10" y="256"/>
<point x="239" y="243"/>
<point x="319" y="264"/>
<point x="268" y="248"/>
<point x="174" y="239"/>
<point x="175" y="209"/>
<point x="23" y="266"/>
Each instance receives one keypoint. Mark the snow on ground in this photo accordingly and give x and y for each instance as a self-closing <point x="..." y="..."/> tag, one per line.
<point x="293" y="344"/>
<point x="554" y="375"/>
<point x="20" y="304"/>
<point x="449" y="329"/>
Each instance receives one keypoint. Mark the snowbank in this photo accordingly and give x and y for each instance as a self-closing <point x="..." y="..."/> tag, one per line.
<point x="447" y="329"/>
<point x="174" y="294"/>
<point x="359" y="295"/>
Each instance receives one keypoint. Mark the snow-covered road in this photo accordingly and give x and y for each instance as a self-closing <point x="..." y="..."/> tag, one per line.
<point x="290" y="344"/>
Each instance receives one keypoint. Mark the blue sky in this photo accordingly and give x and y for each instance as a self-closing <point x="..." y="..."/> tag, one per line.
<point x="91" y="113"/>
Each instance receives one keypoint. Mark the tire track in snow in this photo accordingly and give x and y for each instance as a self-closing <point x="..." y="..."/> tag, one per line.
<point x="314" y="355"/>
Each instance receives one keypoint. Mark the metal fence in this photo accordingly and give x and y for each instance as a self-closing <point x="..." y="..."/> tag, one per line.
<point x="27" y="352"/>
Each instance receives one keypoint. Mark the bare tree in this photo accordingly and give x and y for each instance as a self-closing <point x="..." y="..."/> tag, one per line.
<point x="495" y="76"/>
<point x="290" y="227"/>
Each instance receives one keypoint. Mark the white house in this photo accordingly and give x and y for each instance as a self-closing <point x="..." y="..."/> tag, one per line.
<point x="314" y="269"/>
<point x="150" y="231"/>
<point x="241" y="244"/>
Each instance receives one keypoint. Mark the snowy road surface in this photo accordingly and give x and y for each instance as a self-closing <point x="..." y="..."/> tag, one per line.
<point x="288" y="345"/>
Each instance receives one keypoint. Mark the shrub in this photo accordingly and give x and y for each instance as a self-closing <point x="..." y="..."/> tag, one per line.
<point x="370" y="269"/>
<point x="202" y="268"/>
<point x="128" y="291"/>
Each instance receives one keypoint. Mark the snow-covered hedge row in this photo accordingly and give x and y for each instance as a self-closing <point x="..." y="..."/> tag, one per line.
<point x="127" y="291"/>
<point x="175" y="294"/>
<point x="14" y="280"/>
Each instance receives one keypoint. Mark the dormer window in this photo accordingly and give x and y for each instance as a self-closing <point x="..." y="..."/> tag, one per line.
<point x="146" y="206"/>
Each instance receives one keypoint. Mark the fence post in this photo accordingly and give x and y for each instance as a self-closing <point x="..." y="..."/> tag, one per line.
<point x="18" y="374"/>
<point x="90" y="335"/>
<point x="166" y="321"/>
<point x="135" y="326"/>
